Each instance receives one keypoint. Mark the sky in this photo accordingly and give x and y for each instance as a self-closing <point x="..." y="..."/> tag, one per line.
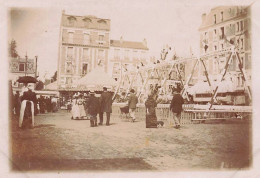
<point x="35" y="26"/>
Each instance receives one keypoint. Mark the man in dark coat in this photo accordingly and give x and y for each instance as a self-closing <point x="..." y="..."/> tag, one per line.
<point x="17" y="103"/>
<point x="93" y="109"/>
<point x="132" y="101"/>
<point x="27" y="109"/>
<point x="106" y="105"/>
<point x="176" y="106"/>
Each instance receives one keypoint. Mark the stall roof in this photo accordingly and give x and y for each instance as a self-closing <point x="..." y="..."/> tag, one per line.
<point x="96" y="80"/>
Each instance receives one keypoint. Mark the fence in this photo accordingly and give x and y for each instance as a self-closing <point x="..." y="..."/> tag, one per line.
<point x="191" y="113"/>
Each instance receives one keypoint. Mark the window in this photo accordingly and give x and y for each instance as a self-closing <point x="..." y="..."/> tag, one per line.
<point x="241" y="26"/>
<point x="71" y="22"/>
<point x="237" y="26"/>
<point x="101" y="37"/>
<point x="21" y="67"/>
<point x="84" y="68"/>
<point x="116" y="53"/>
<point x="68" y="80"/>
<point x="126" y="53"/>
<point x="70" y="52"/>
<point x="215" y="18"/>
<point x="116" y="68"/>
<point x="85" y="53"/>
<point x="215" y="33"/>
<point x="222" y="33"/>
<point x="242" y="43"/>
<point x="135" y="54"/>
<point x="68" y="67"/>
<point x="70" y="37"/>
<point x="222" y="17"/>
<point x="87" y="21"/>
<point x="222" y="46"/>
<point x="143" y="55"/>
<point x="100" y="54"/>
<point x="86" y="38"/>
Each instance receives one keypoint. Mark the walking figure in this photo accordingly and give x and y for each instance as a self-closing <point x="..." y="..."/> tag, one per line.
<point x="132" y="101"/>
<point x="176" y="107"/>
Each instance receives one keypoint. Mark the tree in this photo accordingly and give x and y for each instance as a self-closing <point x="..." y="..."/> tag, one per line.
<point x="12" y="49"/>
<point x="54" y="77"/>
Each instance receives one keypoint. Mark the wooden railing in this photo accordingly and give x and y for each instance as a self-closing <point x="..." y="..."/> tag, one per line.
<point x="191" y="112"/>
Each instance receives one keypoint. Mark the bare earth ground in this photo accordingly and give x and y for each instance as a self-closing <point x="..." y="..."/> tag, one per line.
<point x="58" y="143"/>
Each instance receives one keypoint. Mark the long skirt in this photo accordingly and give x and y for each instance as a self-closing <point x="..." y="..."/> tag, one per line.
<point x="75" y="111"/>
<point x="82" y="112"/>
<point x="26" y="114"/>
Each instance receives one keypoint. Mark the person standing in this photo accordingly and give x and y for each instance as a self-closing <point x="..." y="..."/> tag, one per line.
<point x="132" y="101"/>
<point x="17" y="103"/>
<point x="106" y="106"/>
<point x="27" y="108"/>
<point x="176" y="107"/>
<point x="150" y="105"/>
<point x="93" y="109"/>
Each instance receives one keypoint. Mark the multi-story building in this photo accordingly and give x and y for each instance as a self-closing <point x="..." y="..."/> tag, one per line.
<point x="19" y="67"/>
<point x="222" y="24"/>
<point x="84" y="43"/>
<point x="129" y="54"/>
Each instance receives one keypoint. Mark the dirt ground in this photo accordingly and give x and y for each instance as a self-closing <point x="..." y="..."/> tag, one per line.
<point x="58" y="143"/>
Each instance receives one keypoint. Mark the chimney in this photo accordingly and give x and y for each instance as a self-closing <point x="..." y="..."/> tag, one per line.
<point x="121" y="40"/>
<point x="203" y="17"/>
<point x="145" y="42"/>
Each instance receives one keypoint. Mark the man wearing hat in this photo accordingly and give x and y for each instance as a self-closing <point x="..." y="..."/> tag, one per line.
<point x="106" y="106"/>
<point x="176" y="106"/>
<point x="93" y="109"/>
<point x="132" y="101"/>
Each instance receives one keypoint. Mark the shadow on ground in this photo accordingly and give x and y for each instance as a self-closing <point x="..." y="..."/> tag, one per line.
<point x="80" y="164"/>
<point x="44" y="125"/>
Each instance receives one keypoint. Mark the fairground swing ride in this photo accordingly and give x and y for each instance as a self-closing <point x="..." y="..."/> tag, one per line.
<point x="158" y="76"/>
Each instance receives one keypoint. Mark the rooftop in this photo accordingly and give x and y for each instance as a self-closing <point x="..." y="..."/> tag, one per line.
<point x="128" y="44"/>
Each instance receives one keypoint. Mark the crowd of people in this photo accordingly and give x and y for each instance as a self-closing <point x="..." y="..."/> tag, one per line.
<point x="42" y="104"/>
<point x="90" y="105"/>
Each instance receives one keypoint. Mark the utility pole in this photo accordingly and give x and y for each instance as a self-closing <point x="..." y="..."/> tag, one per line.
<point x="36" y="61"/>
<point x="26" y="58"/>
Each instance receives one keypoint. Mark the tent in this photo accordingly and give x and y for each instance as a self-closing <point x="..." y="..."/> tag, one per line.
<point x="52" y="86"/>
<point x="96" y="80"/>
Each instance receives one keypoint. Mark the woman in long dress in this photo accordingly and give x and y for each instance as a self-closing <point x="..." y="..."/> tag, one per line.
<point x="82" y="112"/>
<point x="75" y="108"/>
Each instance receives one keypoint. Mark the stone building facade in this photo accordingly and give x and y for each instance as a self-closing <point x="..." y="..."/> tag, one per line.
<point x="85" y="43"/>
<point x="222" y="24"/>
<point x="19" y="67"/>
<point x="129" y="54"/>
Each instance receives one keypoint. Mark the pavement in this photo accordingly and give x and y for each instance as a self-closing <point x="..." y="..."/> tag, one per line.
<point x="57" y="143"/>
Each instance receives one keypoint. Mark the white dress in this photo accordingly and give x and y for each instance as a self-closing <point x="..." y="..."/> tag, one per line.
<point x="82" y="112"/>
<point x="75" y="109"/>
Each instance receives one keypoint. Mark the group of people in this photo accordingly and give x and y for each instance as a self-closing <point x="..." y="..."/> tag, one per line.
<point x="26" y="105"/>
<point x="151" y="103"/>
<point x="41" y="104"/>
<point x="90" y="105"/>
<point x="175" y="106"/>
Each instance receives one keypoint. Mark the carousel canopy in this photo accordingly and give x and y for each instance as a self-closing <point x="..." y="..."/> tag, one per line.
<point x="96" y="80"/>
<point x="52" y="86"/>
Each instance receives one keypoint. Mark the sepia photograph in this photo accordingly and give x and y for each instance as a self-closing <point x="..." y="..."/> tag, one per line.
<point x="143" y="87"/>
